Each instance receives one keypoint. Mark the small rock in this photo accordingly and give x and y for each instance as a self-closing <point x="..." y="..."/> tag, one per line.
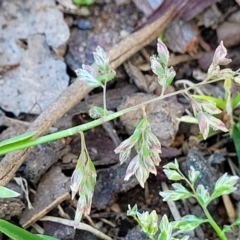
<point x="136" y="233"/>
<point x="84" y="235"/>
<point x="207" y="174"/>
<point x="10" y="207"/>
<point x="162" y="116"/>
<point x="205" y="60"/>
<point x="60" y="51"/>
<point x="69" y="157"/>
<point x="69" y="20"/>
<point x="115" y="208"/>
<point x="235" y="17"/>
<point x="229" y="33"/>
<point x="58" y="230"/>
<point x="109" y="183"/>
<point x="148" y="6"/>
<point x="84" y="24"/>
<point x="182" y="37"/>
<point x="41" y="159"/>
<point x="210" y="17"/>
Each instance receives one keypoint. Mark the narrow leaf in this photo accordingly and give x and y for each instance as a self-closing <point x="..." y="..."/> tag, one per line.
<point x="172" y="165"/>
<point x="224" y="185"/>
<point x="227" y="228"/>
<point x="237" y="222"/>
<point x="132" y="211"/>
<point x="173" y="195"/>
<point x="16" y="233"/>
<point x="203" y="125"/>
<point x="179" y="188"/>
<point x="18" y="138"/>
<point x="236" y="101"/>
<point x="172" y="175"/>
<point x="219" y="102"/>
<point x="164" y="224"/>
<point x="216" y="123"/>
<point x="203" y="194"/>
<point x="7" y="193"/>
<point x="193" y="175"/>
<point x="193" y="218"/>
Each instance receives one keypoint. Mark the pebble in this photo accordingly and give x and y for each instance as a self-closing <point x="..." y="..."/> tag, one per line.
<point x="84" y="24"/>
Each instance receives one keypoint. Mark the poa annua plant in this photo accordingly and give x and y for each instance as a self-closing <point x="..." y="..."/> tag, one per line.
<point x="178" y="229"/>
<point x="222" y="107"/>
<point x="82" y="182"/>
<point x="147" y="147"/>
<point x="144" y="141"/>
<point x="224" y="185"/>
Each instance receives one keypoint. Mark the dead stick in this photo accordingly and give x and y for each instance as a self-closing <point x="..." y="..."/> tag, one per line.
<point x="77" y="91"/>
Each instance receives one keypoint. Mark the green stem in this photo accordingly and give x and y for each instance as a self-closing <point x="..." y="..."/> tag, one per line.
<point x="58" y="135"/>
<point x="104" y="98"/>
<point x="214" y="225"/>
<point x="72" y="131"/>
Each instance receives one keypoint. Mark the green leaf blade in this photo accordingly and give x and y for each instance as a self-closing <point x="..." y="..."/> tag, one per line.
<point x="16" y="233"/>
<point x="16" y="139"/>
<point x="7" y="193"/>
<point x="236" y="140"/>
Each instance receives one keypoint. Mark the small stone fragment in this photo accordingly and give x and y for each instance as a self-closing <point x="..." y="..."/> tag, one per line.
<point x="208" y="175"/>
<point x="182" y="37"/>
<point x="84" y="24"/>
<point x="210" y="17"/>
<point x="235" y="17"/>
<point x="58" y="230"/>
<point x="69" y="158"/>
<point x="10" y="207"/>
<point x="41" y="159"/>
<point x="162" y="116"/>
<point x="205" y="60"/>
<point x="84" y="235"/>
<point x="136" y="233"/>
<point x="229" y="33"/>
<point x="148" y="6"/>
<point x="110" y="182"/>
